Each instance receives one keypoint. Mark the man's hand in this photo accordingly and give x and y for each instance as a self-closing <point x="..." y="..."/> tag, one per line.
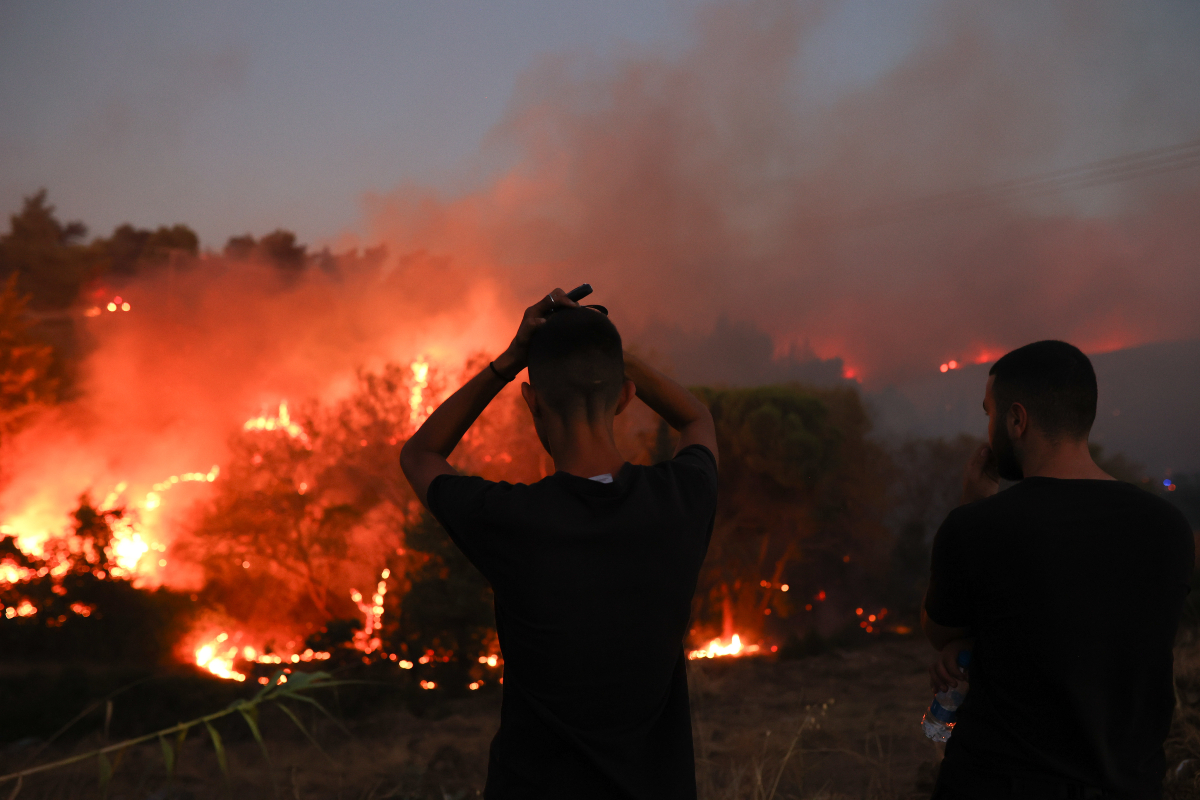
<point x="944" y="673"/>
<point x="424" y="456"/>
<point x="980" y="479"/>
<point x="516" y="357"/>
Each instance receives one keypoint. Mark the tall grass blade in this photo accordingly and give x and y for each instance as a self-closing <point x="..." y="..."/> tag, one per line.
<point x="168" y="756"/>
<point x="179" y="737"/>
<point x="320" y="708"/>
<point x="17" y="788"/>
<point x="105" y="773"/>
<point x="219" y="748"/>
<point x="303" y="730"/>
<point x="299" y="680"/>
<point x="250" y="714"/>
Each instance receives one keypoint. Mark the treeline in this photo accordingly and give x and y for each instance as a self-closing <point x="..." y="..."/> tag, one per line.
<point x="55" y="266"/>
<point x="50" y="273"/>
<point x="810" y="500"/>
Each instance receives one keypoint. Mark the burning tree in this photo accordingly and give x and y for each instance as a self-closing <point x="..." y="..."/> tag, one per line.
<point x="74" y="600"/>
<point x="312" y="506"/>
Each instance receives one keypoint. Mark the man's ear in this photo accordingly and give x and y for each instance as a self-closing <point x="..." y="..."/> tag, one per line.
<point x="531" y="399"/>
<point x="1017" y="420"/>
<point x="628" y="392"/>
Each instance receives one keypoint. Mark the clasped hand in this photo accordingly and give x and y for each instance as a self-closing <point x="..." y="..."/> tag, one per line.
<point x="516" y="357"/>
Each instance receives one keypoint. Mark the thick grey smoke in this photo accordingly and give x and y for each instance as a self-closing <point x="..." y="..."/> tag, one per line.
<point x="728" y="182"/>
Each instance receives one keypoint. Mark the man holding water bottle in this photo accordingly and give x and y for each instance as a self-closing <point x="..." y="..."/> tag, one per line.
<point x="1067" y="588"/>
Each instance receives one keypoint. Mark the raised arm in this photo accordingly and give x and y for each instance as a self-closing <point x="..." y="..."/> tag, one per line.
<point x="424" y="456"/>
<point x="682" y="410"/>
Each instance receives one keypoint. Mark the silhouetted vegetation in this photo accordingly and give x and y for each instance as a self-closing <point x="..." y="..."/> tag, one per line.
<point x="86" y="609"/>
<point x="802" y="503"/>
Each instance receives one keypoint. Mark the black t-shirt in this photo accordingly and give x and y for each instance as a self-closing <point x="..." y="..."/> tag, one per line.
<point x="593" y="585"/>
<point x="1073" y="590"/>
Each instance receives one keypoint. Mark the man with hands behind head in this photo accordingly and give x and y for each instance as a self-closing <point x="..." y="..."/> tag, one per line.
<point x="1068" y="588"/>
<point x="602" y="551"/>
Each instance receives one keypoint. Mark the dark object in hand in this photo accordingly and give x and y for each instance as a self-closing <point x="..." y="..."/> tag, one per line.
<point x="577" y="294"/>
<point x="581" y="291"/>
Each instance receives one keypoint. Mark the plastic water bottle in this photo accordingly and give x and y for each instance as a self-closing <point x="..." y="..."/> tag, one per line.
<point x="938" y="722"/>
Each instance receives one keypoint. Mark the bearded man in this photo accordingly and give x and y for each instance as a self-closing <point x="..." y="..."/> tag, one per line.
<point x="1068" y="588"/>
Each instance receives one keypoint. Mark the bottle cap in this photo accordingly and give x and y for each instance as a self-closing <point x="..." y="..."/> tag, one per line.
<point x="964" y="659"/>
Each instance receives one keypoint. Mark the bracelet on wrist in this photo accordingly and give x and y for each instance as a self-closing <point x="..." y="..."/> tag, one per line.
<point x="498" y="374"/>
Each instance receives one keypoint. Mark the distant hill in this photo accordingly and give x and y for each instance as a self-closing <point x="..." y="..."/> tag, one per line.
<point x="1149" y="407"/>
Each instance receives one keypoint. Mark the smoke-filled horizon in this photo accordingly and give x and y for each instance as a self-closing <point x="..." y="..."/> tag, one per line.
<point x="710" y="186"/>
<point x="721" y="189"/>
<point x="739" y="226"/>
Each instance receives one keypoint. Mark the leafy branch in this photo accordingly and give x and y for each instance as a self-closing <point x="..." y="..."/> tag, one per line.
<point x="277" y="689"/>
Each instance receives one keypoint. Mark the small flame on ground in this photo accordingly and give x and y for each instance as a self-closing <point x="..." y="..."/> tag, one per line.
<point x="716" y="648"/>
<point x="218" y="658"/>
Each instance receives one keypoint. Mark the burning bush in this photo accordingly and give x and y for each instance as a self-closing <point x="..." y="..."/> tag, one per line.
<point x="446" y="619"/>
<point x="314" y="505"/>
<point x="75" y="602"/>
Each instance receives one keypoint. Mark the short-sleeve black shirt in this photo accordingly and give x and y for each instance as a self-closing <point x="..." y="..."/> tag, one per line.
<point x="1073" y="590"/>
<point x="593" y="585"/>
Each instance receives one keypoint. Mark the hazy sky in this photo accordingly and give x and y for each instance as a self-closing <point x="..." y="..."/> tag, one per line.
<point x="243" y="117"/>
<point x="694" y="161"/>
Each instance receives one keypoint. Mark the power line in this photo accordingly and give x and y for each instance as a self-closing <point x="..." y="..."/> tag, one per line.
<point x="1110" y="170"/>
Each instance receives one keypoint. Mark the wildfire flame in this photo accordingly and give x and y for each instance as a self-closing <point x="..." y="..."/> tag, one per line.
<point x="418" y="411"/>
<point x="280" y="422"/>
<point x="366" y="639"/>
<point x="716" y="649"/>
<point x="153" y="498"/>
<point x="217" y="658"/>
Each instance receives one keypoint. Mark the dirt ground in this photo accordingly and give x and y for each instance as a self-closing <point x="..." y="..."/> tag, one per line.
<point x="830" y="727"/>
<point x="839" y="725"/>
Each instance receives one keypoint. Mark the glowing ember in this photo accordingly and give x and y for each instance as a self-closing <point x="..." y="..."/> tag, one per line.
<point x="716" y="648"/>
<point x="280" y="422"/>
<point x="871" y="623"/>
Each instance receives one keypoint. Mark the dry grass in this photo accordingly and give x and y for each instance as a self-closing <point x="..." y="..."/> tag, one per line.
<point x="1183" y="744"/>
<point x="832" y="727"/>
<point x="842" y="725"/>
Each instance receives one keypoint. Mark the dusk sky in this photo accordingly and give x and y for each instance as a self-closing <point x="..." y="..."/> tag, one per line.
<point x="752" y="161"/>
<point x="242" y="117"/>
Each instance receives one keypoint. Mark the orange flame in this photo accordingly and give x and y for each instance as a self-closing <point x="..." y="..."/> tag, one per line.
<point x="418" y="411"/>
<point x="280" y="422"/>
<point x="716" y="649"/>
<point x="217" y="657"/>
<point x="367" y="639"/>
